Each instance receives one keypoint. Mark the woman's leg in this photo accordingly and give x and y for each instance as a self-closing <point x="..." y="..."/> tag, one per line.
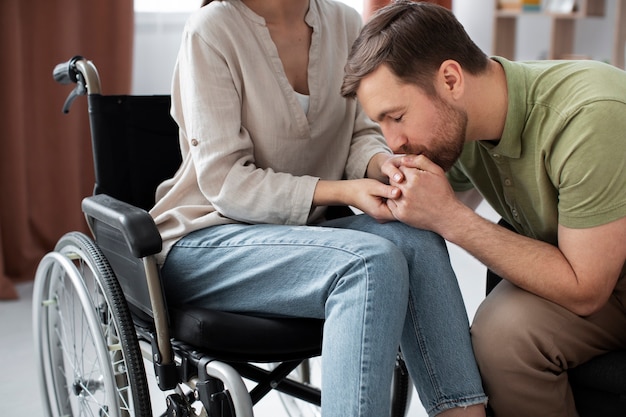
<point x="435" y="341"/>
<point x="356" y="281"/>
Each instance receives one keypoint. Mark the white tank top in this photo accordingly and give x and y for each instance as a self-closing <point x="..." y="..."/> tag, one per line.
<point x="304" y="101"/>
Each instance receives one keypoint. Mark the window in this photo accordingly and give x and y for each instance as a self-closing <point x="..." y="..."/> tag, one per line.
<point x="165" y="6"/>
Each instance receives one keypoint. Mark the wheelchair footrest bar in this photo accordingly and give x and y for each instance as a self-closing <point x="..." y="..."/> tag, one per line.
<point x="233" y="386"/>
<point x="215" y="398"/>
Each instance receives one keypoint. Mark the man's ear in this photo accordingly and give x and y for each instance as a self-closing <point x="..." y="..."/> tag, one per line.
<point x="452" y="78"/>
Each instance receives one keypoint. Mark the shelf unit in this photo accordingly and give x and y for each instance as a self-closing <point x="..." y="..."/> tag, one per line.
<point x="562" y="29"/>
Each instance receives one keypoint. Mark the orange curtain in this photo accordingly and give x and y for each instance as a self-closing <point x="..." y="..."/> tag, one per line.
<point x="46" y="166"/>
<point x="370" y="6"/>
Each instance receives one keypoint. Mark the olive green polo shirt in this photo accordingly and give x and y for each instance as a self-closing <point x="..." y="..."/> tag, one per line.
<point x="562" y="155"/>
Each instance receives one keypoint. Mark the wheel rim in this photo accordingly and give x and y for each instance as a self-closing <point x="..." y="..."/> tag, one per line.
<point x="72" y="345"/>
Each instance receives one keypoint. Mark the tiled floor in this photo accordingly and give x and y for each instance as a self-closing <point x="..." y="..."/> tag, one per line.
<point x="19" y="385"/>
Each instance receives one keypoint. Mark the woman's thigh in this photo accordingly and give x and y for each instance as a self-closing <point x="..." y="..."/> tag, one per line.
<point x="273" y="269"/>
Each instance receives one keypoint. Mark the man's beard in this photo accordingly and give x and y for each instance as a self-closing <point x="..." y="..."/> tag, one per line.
<point x="448" y="136"/>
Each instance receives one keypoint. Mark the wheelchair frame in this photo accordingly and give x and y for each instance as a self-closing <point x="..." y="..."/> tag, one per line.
<point x="99" y="314"/>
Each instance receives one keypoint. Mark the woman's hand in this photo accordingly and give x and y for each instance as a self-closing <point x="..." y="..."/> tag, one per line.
<point x="368" y="195"/>
<point x="371" y="196"/>
<point x="385" y="167"/>
<point x="389" y="167"/>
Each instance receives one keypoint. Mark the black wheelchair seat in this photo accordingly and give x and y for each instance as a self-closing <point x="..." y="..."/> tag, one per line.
<point x="238" y="337"/>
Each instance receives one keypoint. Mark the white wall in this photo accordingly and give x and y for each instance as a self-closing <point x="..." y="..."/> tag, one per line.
<point x="157" y="36"/>
<point x="593" y="36"/>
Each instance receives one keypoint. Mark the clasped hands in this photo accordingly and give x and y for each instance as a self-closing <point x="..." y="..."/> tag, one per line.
<point x="418" y="193"/>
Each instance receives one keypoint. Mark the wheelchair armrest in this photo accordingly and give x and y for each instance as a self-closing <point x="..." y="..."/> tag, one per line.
<point x="135" y="224"/>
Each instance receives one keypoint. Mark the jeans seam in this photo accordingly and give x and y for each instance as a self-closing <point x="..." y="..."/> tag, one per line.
<point x="427" y="360"/>
<point x="365" y="346"/>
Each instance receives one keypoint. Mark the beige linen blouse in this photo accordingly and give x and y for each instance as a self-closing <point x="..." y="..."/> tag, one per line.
<point x="250" y="153"/>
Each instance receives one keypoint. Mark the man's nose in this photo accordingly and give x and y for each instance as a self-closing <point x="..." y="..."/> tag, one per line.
<point x="396" y="141"/>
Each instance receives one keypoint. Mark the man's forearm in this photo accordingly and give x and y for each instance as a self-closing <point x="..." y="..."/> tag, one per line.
<point x="533" y="265"/>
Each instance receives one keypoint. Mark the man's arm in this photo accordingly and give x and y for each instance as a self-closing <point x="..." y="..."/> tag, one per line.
<point x="470" y="198"/>
<point x="579" y="274"/>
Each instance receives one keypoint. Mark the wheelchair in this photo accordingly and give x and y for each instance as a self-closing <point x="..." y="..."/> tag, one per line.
<point x="101" y="320"/>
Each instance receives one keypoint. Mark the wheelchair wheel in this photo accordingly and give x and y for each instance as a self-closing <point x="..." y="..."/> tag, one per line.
<point x="85" y="340"/>
<point x="401" y="388"/>
<point x="310" y="373"/>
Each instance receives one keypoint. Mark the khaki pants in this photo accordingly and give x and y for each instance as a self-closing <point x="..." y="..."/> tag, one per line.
<point x="524" y="345"/>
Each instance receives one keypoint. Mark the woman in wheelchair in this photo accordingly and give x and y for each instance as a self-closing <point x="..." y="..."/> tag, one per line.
<point x="268" y="145"/>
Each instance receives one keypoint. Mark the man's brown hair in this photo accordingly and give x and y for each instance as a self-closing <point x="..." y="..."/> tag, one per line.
<point x="413" y="39"/>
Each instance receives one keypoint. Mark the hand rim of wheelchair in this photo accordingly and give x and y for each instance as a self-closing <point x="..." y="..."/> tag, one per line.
<point x="107" y="332"/>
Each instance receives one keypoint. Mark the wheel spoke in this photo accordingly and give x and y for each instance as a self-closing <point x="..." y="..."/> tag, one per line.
<point x="85" y="336"/>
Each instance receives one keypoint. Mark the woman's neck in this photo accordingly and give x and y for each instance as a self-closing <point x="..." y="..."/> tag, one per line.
<point x="291" y="35"/>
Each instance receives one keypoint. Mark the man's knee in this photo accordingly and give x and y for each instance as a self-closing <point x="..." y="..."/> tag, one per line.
<point x="507" y="332"/>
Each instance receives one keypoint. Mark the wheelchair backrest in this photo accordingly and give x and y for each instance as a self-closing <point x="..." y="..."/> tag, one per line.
<point x="135" y="146"/>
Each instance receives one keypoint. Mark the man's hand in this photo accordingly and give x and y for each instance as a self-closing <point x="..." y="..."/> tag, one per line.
<point x="427" y="200"/>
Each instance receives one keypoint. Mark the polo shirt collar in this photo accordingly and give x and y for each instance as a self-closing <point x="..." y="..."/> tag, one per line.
<point x="510" y="144"/>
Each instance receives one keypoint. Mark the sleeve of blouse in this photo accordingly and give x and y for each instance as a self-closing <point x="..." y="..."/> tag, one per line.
<point x="367" y="140"/>
<point x="208" y="108"/>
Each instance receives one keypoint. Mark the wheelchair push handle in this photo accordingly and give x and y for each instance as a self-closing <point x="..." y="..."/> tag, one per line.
<point x="80" y="71"/>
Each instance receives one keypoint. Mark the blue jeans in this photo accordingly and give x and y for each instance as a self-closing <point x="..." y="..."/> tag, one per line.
<point x="377" y="286"/>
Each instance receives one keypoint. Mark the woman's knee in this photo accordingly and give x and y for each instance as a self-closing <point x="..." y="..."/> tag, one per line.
<point x="373" y="279"/>
<point x="384" y="262"/>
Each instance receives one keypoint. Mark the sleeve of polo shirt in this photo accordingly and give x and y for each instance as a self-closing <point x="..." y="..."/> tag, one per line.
<point x="221" y="148"/>
<point x="588" y="165"/>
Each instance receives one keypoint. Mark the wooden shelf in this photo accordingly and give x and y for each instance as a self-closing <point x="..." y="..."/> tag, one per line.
<point x="562" y="29"/>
